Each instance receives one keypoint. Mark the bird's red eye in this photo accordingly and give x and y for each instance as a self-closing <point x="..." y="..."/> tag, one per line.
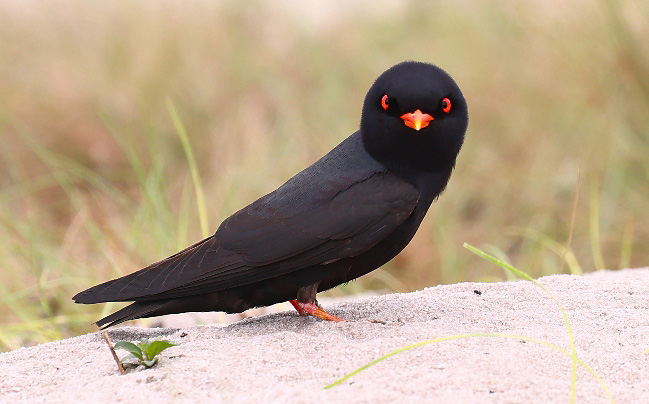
<point x="385" y="102"/>
<point x="446" y="105"/>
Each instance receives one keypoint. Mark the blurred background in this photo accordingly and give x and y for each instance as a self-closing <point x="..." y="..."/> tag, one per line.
<point x="106" y="107"/>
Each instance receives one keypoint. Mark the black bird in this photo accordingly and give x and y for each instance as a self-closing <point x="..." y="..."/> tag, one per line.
<point x="344" y="216"/>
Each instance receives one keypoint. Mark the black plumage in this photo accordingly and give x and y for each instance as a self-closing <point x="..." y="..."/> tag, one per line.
<point x="344" y="216"/>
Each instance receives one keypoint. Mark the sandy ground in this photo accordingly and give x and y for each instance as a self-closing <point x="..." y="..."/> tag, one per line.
<point x="284" y="358"/>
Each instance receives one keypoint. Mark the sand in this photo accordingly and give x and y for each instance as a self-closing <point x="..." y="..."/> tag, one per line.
<point x="283" y="358"/>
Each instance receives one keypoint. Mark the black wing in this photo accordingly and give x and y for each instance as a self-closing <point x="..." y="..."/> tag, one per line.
<point x="346" y="217"/>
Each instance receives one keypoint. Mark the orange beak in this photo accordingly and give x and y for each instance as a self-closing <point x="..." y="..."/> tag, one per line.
<point x="416" y="120"/>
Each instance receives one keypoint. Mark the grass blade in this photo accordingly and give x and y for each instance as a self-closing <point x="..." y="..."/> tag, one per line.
<point x="572" y="353"/>
<point x="193" y="168"/>
<point x="474" y="335"/>
<point x="595" y="241"/>
<point x="566" y="320"/>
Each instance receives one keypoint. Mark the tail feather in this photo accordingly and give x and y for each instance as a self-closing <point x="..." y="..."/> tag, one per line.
<point x="132" y="312"/>
<point x="149" y="282"/>
<point x="153" y="308"/>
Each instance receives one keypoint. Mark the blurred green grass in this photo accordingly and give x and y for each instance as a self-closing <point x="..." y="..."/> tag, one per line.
<point x="95" y="182"/>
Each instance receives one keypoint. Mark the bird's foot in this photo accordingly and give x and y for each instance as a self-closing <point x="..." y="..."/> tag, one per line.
<point x="312" y="309"/>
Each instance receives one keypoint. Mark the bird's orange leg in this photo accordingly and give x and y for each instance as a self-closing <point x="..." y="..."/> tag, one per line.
<point x="312" y="309"/>
<point x="297" y="307"/>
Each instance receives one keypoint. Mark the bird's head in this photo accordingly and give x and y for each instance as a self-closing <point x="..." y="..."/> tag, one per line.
<point x="414" y="116"/>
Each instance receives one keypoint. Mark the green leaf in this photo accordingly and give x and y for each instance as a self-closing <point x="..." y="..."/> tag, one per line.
<point x="143" y="344"/>
<point x="150" y="363"/>
<point x="156" y="347"/>
<point x="128" y="358"/>
<point x="130" y="347"/>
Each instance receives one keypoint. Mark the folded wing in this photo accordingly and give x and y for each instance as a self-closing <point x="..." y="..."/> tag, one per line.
<point x="344" y="218"/>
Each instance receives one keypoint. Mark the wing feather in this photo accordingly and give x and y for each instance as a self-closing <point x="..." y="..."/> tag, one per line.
<point x="263" y="241"/>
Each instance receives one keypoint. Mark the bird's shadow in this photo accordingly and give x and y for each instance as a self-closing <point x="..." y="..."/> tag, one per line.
<point x="136" y="333"/>
<point x="252" y="326"/>
<point x="289" y="322"/>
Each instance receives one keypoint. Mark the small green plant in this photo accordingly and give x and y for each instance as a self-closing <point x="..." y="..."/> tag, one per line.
<point x="144" y="351"/>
